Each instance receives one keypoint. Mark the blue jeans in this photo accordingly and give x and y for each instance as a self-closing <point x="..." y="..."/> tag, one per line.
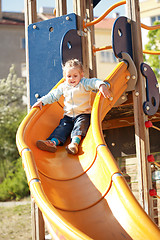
<point x="71" y="126"/>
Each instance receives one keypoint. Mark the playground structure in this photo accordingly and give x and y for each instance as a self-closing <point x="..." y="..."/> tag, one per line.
<point x="86" y="196"/>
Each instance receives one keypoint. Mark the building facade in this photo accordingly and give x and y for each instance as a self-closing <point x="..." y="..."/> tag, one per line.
<point x="150" y="12"/>
<point x="105" y="59"/>
<point x="12" y="43"/>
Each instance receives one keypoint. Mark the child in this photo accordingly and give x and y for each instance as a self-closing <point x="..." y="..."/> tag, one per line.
<point x="77" y="109"/>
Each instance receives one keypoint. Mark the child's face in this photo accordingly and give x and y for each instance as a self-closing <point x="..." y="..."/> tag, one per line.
<point x="73" y="76"/>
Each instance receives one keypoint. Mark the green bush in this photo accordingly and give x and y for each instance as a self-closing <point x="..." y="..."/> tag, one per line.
<point x="8" y="149"/>
<point x="12" y="110"/>
<point x="15" y="185"/>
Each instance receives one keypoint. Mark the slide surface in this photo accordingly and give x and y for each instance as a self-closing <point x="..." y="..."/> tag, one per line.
<point x="83" y="196"/>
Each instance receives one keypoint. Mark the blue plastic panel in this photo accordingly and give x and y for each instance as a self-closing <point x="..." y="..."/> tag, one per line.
<point x="121" y="37"/>
<point x="44" y="40"/>
<point x="95" y="2"/>
<point x="71" y="46"/>
<point x="150" y="107"/>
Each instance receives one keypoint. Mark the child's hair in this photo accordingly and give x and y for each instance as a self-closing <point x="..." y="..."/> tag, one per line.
<point x="73" y="63"/>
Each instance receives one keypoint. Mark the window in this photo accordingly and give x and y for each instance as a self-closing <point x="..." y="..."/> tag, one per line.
<point x="22" y="43"/>
<point x="106" y="56"/>
<point x="23" y="70"/>
<point x="155" y="18"/>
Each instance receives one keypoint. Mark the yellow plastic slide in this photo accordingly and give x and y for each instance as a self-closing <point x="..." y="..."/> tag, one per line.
<point x="83" y="196"/>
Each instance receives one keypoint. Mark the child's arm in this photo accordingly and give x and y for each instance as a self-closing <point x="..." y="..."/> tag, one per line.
<point x="52" y="96"/>
<point x="38" y="104"/>
<point x="94" y="83"/>
<point x="104" y="89"/>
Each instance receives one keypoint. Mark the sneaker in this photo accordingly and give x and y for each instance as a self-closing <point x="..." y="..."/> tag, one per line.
<point x="72" y="148"/>
<point x="46" y="145"/>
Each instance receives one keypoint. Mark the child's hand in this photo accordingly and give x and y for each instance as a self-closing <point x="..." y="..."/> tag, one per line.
<point x="105" y="91"/>
<point x="38" y="104"/>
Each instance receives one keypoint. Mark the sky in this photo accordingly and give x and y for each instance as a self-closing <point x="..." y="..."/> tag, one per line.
<point x="103" y="5"/>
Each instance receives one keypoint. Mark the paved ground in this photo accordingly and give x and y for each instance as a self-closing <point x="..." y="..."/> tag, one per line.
<point x="15" y="203"/>
<point x="15" y="220"/>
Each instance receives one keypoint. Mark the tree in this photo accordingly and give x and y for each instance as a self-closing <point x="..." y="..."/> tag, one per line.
<point x="154" y="44"/>
<point x="15" y="184"/>
<point x="12" y="110"/>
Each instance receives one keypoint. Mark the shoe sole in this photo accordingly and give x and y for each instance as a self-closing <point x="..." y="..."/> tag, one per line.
<point x="69" y="151"/>
<point x="42" y="146"/>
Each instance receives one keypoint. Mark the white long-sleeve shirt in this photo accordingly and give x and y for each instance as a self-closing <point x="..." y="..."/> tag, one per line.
<point x="76" y="99"/>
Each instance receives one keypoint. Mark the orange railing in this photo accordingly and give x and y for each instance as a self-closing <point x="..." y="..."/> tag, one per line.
<point x="97" y="20"/>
